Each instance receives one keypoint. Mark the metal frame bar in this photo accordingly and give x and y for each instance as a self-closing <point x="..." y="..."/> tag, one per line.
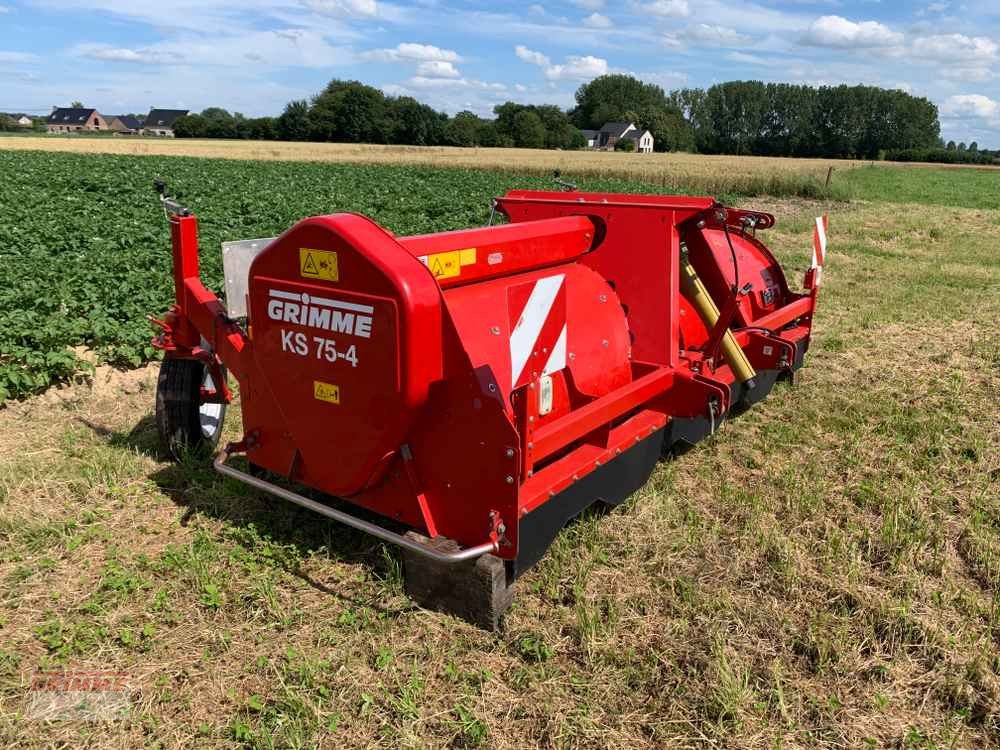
<point x="469" y="553"/>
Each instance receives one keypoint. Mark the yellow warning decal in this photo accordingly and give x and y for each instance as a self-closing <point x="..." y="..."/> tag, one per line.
<point x="318" y="264"/>
<point x="326" y="392"/>
<point x="448" y="265"/>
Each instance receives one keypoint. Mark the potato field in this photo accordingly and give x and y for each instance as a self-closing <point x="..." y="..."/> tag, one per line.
<point x="85" y="246"/>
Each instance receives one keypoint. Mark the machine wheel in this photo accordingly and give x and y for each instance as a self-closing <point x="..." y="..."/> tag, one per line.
<point x="183" y="420"/>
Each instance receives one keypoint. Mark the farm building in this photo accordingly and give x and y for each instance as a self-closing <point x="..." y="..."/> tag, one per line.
<point x="125" y="124"/>
<point x="161" y="122"/>
<point x="71" y="119"/>
<point x="608" y="137"/>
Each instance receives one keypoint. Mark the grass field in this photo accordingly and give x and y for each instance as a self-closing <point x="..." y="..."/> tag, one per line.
<point x="824" y="572"/>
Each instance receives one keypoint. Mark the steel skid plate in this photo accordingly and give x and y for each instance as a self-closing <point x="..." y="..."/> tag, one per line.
<point x="236" y="259"/>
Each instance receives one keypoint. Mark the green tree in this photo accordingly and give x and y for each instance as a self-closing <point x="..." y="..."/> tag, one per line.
<point x="463" y="129"/>
<point x="625" y="144"/>
<point x="349" y="111"/>
<point x="190" y="126"/>
<point x="293" y="124"/>
<point x="974" y="147"/>
<point x="528" y="131"/>
<point x="578" y="140"/>
<point x="76" y="105"/>
<point x="951" y="146"/>
<point x="607" y="98"/>
<point x="413" y="123"/>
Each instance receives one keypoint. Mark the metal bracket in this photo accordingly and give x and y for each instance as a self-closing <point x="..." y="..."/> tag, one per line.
<point x="722" y="324"/>
<point x="469" y="553"/>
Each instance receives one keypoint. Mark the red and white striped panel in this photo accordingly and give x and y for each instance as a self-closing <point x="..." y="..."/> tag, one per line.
<point x="819" y="247"/>
<point x="537" y="328"/>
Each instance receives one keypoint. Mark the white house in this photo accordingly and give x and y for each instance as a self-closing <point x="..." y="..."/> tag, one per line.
<point x="608" y="137"/>
<point x="24" y="121"/>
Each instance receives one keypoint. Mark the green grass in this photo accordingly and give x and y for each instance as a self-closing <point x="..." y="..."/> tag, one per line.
<point x="936" y="186"/>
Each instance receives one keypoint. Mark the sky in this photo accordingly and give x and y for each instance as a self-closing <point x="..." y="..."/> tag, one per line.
<point x="253" y="56"/>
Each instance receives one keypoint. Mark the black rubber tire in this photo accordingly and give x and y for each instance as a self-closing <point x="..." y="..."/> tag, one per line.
<point x="178" y="400"/>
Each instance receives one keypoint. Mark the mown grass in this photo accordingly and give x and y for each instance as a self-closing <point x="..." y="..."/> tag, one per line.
<point x="936" y="186"/>
<point x="824" y="572"/>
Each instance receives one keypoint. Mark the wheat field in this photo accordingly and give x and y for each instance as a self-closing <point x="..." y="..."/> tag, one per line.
<point x="714" y="174"/>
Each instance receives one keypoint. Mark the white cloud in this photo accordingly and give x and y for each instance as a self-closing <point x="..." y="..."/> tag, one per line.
<point x="285" y="48"/>
<point x="672" y="41"/>
<point x="410" y="51"/>
<point x="437" y="69"/>
<point x="588" y="4"/>
<point x="597" y="21"/>
<point x="835" y="31"/>
<point x="424" y="82"/>
<point x="955" y="48"/>
<point x="17" y="57"/>
<point x="968" y="75"/>
<point x="530" y="56"/>
<point x="744" y="59"/>
<point x="718" y="36"/>
<point x="667" y="8"/>
<point x="577" y="68"/>
<point x="121" y="54"/>
<point x="972" y="105"/>
<point x="344" y="7"/>
<point x="520" y="88"/>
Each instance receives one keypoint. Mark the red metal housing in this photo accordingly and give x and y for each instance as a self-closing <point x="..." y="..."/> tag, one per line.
<point x="494" y="378"/>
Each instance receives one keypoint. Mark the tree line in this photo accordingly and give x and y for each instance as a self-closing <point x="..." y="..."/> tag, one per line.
<point x="737" y="117"/>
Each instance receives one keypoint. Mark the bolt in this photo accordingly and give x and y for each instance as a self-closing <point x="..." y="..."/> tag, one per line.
<point x="510" y="453"/>
<point x="575" y="478"/>
<point x="493" y="388"/>
<point x="531" y="473"/>
<point x="572" y="356"/>
<point x="552" y="493"/>
<point x="597" y="464"/>
<point x="495" y="330"/>
<point x="530" y="446"/>
<point x="604" y="343"/>
<point x="510" y="479"/>
<point x="603" y="298"/>
<point x="618" y="451"/>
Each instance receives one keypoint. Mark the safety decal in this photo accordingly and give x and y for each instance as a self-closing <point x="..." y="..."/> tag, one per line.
<point x="448" y="265"/>
<point x="326" y="392"/>
<point x="538" y="328"/>
<point x="318" y="264"/>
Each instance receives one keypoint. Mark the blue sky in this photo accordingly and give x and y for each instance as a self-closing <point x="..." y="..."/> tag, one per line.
<point x="253" y="56"/>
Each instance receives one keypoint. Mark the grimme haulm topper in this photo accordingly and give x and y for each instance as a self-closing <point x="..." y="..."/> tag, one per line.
<point x="483" y="386"/>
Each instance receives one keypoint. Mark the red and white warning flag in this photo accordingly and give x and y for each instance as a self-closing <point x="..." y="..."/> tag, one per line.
<point x="819" y="248"/>
<point x="538" y="328"/>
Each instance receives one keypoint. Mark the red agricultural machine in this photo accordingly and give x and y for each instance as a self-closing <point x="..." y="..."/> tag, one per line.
<point x="478" y="387"/>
